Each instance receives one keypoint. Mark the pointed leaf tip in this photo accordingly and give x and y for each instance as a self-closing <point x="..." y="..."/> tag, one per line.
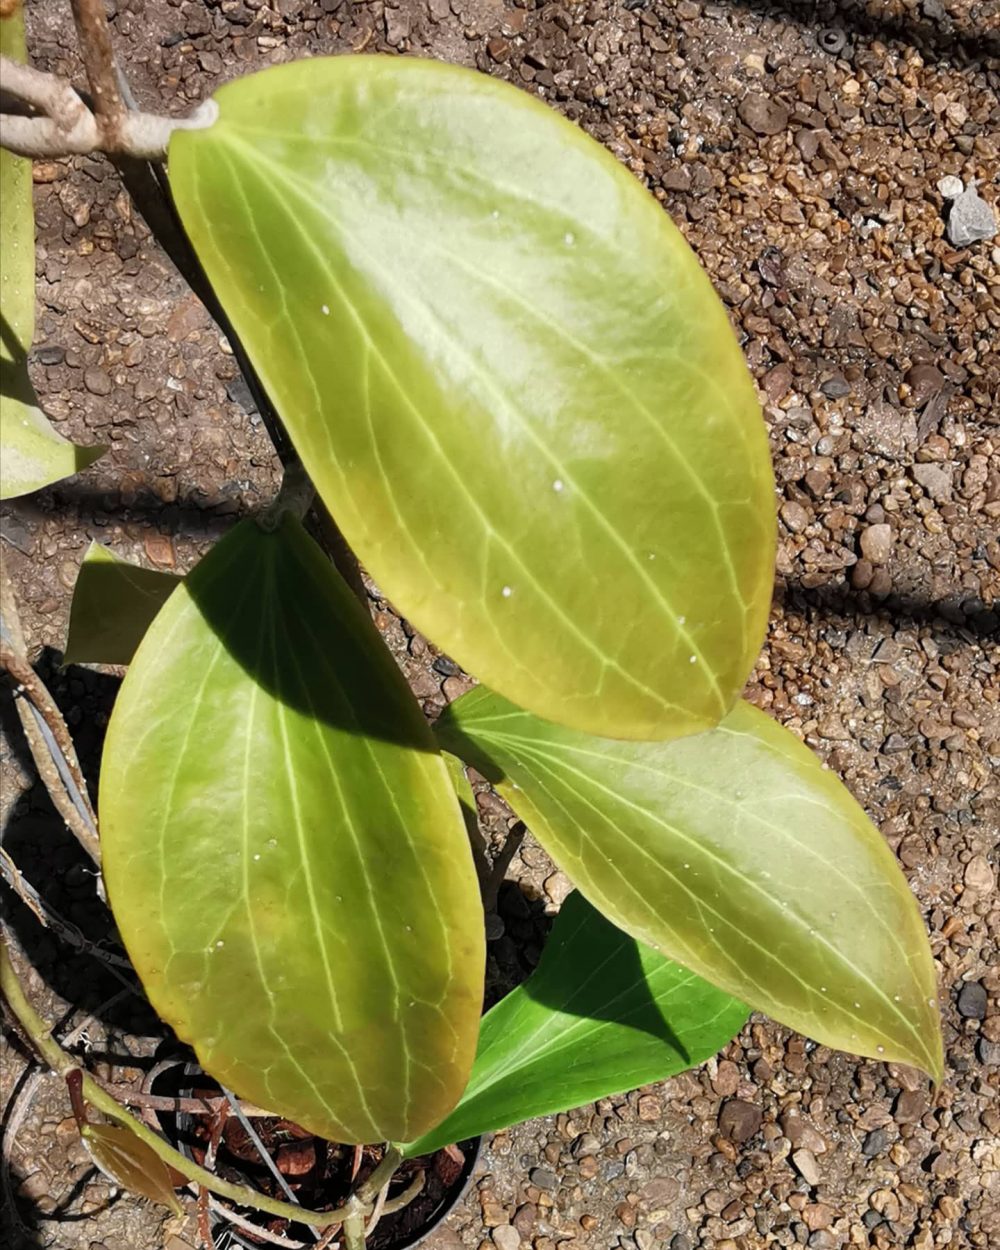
<point x="735" y="852"/>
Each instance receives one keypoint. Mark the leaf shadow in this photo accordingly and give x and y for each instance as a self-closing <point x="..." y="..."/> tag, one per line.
<point x="946" y="39"/>
<point x="55" y="865"/>
<point x="591" y="970"/>
<point x="281" y="610"/>
<point x="14" y="381"/>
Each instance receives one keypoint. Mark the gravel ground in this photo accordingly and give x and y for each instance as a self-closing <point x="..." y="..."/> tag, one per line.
<point x="800" y="148"/>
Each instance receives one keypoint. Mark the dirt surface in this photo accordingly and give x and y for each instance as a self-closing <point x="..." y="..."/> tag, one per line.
<point x="799" y="147"/>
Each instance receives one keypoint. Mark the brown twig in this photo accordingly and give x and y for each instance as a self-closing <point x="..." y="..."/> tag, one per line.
<point x="48" y="737"/>
<point x="515" y="836"/>
<point x="204" y="1222"/>
<point x="184" y="1106"/>
<point x="98" y="57"/>
<point x="25" y="892"/>
<point x="50" y="918"/>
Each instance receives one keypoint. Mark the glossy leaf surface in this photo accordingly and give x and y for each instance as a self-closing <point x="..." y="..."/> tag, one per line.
<point x="122" y="1156"/>
<point x="114" y="603"/>
<point x="32" y="454"/>
<point x="507" y="374"/>
<point x="736" y="853"/>
<point x="601" y="1014"/>
<point x="284" y="852"/>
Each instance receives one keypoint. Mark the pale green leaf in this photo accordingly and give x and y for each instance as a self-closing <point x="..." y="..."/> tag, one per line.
<point x="114" y="603"/>
<point x="507" y="375"/>
<point x="601" y="1014"/>
<point x="131" y="1163"/>
<point x="32" y="454"/>
<point x="735" y="852"/>
<point x="284" y="852"/>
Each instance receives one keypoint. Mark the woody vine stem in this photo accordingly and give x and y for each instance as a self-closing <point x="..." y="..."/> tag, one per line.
<point x="60" y="123"/>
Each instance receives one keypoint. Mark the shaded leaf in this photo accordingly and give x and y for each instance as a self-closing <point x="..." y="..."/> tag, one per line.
<point x="284" y="852"/>
<point x="32" y="454"/>
<point x="735" y="852"/>
<point x="114" y="603"/>
<point x="507" y="375"/>
<point x="601" y="1014"/>
<point x="131" y="1163"/>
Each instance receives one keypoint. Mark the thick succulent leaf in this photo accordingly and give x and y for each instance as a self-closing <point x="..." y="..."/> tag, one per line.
<point x="284" y="852"/>
<point x="601" y="1014"/>
<point x="32" y="454"/>
<point x="507" y="374"/>
<point x="131" y="1163"/>
<point x="736" y="853"/>
<point x="114" y="603"/>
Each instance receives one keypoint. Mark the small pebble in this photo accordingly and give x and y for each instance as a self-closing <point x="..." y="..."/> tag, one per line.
<point x="972" y="1001"/>
<point x="970" y="219"/>
<point x="950" y="187"/>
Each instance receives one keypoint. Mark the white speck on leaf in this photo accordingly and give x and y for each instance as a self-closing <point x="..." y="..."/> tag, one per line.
<point x="507" y="591"/>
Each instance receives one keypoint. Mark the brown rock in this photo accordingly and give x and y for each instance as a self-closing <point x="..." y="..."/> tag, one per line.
<point x="924" y="381"/>
<point x="763" y="114"/>
<point x="739" y="1119"/>
<point x="794" y="516"/>
<point x="727" y="1079"/>
<point x="934" y="479"/>
<point x="650" y="1108"/>
<point x="979" y="875"/>
<point x="777" y="382"/>
<point x="97" y="381"/>
<point x="804" y="1162"/>
<point x="160" y="549"/>
<point x="817" y="1215"/>
<point x="876" y="543"/>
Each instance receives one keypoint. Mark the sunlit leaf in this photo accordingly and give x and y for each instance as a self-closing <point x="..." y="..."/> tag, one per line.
<point x="131" y="1163"/>
<point x="114" y="603"/>
<point x="507" y="374"/>
<point x="734" y="852"/>
<point x="32" y="454"/>
<point x="284" y="852"/>
<point x="601" y="1014"/>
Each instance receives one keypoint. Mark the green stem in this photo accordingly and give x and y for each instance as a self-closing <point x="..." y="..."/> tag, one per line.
<point x="61" y="1063"/>
<point x="353" y="1230"/>
<point x="368" y="1190"/>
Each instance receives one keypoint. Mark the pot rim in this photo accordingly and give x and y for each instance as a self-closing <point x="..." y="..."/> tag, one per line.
<point x="410" y="1241"/>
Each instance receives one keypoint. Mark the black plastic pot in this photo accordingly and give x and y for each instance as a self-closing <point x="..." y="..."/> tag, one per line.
<point x="185" y="1081"/>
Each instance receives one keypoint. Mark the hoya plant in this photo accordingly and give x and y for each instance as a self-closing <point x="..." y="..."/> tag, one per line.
<point x="505" y="375"/>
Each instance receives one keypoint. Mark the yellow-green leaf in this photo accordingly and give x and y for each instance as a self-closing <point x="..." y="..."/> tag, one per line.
<point x="32" y="454"/>
<point x="284" y="852"/>
<point x="735" y="852"/>
<point x="131" y="1163"/>
<point x="507" y="375"/>
<point x="114" y="603"/>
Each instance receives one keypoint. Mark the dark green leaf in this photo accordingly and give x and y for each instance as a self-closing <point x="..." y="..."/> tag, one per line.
<point x="508" y="376"/>
<point x="114" y="603"/>
<point x="284" y="852"/>
<point x="734" y="852"/>
<point x="601" y="1014"/>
